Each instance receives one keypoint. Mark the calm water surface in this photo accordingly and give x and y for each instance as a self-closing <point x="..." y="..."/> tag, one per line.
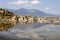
<point x="35" y="31"/>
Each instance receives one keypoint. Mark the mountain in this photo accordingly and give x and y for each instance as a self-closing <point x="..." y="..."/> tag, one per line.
<point x="36" y="12"/>
<point x="21" y="11"/>
<point x="33" y="12"/>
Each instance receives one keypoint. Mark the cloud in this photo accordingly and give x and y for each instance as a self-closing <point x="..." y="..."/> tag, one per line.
<point x="34" y="2"/>
<point x="46" y="9"/>
<point x="19" y="2"/>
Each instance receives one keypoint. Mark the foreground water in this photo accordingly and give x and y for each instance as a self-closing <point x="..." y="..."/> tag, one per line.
<point x="35" y="31"/>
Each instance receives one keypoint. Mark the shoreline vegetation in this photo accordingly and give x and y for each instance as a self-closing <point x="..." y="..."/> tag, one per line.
<point x="9" y="19"/>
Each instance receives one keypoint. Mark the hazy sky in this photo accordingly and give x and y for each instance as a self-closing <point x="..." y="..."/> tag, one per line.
<point x="48" y="6"/>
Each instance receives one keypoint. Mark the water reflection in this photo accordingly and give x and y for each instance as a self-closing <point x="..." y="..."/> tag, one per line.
<point x="28" y="31"/>
<point x="5" y="25"/>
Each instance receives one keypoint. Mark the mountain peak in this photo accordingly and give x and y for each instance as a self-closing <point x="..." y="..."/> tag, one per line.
<point x="34" y="12"/>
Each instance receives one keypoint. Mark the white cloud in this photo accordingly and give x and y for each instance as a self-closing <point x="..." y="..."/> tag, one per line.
<point x="46" y="9"/>
<point x="19" y="2"/>
<point x="34" y="2"/>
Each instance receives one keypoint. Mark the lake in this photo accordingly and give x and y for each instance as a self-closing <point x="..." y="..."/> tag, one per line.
<point x="34" y="31"/>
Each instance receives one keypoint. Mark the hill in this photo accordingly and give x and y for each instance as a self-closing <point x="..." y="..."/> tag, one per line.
<point x="5" y="13"/>
<point x="33" y="12"/>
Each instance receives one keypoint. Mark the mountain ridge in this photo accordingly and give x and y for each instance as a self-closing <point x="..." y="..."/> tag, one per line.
<point x="33" y="12"/>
